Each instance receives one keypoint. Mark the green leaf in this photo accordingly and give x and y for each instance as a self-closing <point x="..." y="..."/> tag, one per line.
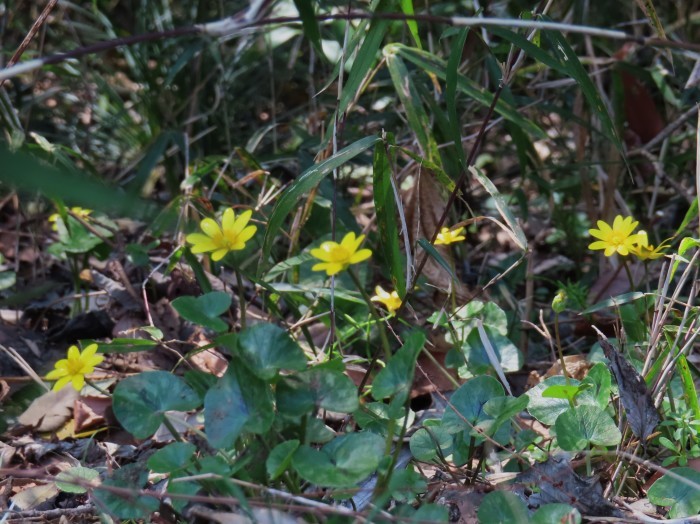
<point x="451" y="76"/>
<point x="238" y="401"/>
<point x="172" y="457"/>
<point x="585" y="426"/>
<point x="74" y="480"/>
<point x="127" y="345"/>
<point x="432" y="64"/>
<point x="428" y="440"/>
<point x="681" y="494"/>
<point x="280" y="458"/>
<point x="416" y="115"/>
<point x="689" y="391"/>
<point x="385" y="207"/>
<point x="365" y="58"/>
<point x="556" y="514"/>
<point x="562" y="391"/>
<point x="690" y="215"/>
<point x="614" y="301"/>
<point x="205" y="309"/>
<point x="140" y="402"/>
<point x="266" y="348"/>
<point x="466" y="408"/>
<point x="476" y="354"/>
<point x="25" y="172"/>
<point x="431" y="513"/>
<point x="307" y="181"/>
<point x="316" y="388"/>
<point x="132" y="477"/>
<point x="407" y="9"/>
<point x="434" y="253"/>
<point x="544" y="409"/>
<point x="310" y="24"/>
<point x="341" y="463"/>
<point x="513" y="229"/>
<point x="600" y="379"/>
<point x="396" y="378"/>
<point x="502" y="507"/>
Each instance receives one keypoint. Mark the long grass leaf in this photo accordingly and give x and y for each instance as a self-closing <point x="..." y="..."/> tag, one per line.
<point x="418" y="119"/>
<point x="385" y="206"/>
<point x="24" y="172"/>
<point x="309" y="23"/>
<point x="307" y="181"/>
<point x="451" y="93"/>
<point x="516" y="231"/>
<point x="432" y="64"/>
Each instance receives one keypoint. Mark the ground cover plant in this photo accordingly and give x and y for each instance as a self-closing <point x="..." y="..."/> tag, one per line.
<point x="383" y="261"/>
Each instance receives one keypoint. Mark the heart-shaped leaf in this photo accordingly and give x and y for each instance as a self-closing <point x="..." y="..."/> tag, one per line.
<point x="681" y="494"/>
<point x="266" y="348"/>
<point x="466" y="408"/>
<point x="140" y="402"/>
<point x="585" y="426"/>
<point x="341" y="463"/>
<point x="321" y="387"/>
<point x="204" y="310"/>
<point x="238" y="401"/>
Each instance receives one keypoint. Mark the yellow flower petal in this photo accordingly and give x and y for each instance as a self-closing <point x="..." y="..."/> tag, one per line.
<point x="210" y="227"/>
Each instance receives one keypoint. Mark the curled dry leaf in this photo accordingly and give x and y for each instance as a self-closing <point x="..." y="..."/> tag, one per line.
<point x="639" y="406"/>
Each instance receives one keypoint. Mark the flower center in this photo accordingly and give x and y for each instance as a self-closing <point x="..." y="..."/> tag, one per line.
<point x="617" y="239"/>
<point x="74" y="366"/>
<point x="339" y="254"/>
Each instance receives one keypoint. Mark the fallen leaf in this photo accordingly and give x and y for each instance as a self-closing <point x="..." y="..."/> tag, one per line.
<point x="557" y="482"/>
<point x="50" y="411"/>
<point x="639" y="406"/>
<point x="32" y="497"/>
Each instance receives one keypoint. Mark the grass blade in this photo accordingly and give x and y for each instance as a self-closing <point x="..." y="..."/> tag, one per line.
<point x="517" y="232"/>
<point x="385" y="206"/>
<point x="432" y="64"/>
<point x="307" y="181"/>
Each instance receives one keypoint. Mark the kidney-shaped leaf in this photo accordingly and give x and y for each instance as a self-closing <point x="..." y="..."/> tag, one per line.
<point x="476" y="354"/>
<point x="466" y="407"/>
<point x="204" y="310"/>
<point x="320" y="387"/>
<point x="266" y="348"/>
<point x="586" y="426"/>
<point x="236" y="402"/>
<point x="140" y="402"/>
<point x="681" y="494"/>
<point x="341" y="463"/>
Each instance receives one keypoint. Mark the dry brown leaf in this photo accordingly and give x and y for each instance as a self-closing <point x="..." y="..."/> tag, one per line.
<point x="425" y="204"/>
<point x="32" y="497"/>
<point x="577" y="367"/>
<point x="91" y="411"/>
<point x="50" y="411"/>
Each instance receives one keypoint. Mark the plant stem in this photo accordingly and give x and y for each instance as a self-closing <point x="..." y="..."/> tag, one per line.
<point x="629" y="274"/>
<point x="241" y="299"/>
<point x="560" y="350"/>
<point x="373" y="311"/>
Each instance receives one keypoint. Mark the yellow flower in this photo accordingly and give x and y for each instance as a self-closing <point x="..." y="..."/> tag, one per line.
<point x="336" y="257"/>
<point x="644" y="251"/>
<point x="74" y="368"/>
<point x="391" y="301"/>
<point x="615" y="239"/>
<point x="446" y="236"/>
<point x="231" y="235"/>
<point x="79" y="211"/>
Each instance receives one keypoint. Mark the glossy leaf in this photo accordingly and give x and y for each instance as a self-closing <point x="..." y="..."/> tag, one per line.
<point x="140" y="402"/>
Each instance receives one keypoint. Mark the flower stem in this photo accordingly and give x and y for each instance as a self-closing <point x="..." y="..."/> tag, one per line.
<point x="241" y="299"/>
<point x="629" y="274"/>
<point x="560" y="350"/>
<point x="373" y="311"/>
